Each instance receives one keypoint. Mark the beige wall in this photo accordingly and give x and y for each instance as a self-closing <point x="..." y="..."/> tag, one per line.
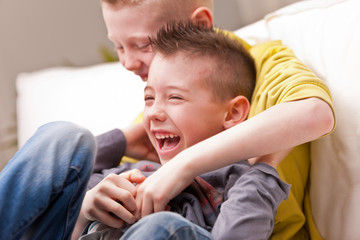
<point x="233" y="14"/>
<point x="36" y="34"/>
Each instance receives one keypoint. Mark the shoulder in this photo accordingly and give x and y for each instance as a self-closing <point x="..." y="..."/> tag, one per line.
<point x="227" y="175"/>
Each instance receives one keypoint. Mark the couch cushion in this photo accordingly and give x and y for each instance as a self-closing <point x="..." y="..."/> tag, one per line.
<point x="325" y="35"/>
<point x="100" y="98"/>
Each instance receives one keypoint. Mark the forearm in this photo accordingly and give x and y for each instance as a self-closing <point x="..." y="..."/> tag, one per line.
<point x="110" y="149"/>
<point x="252" y="202"/>
<point x="80" y="225"/>
<point x="279" y="128"/>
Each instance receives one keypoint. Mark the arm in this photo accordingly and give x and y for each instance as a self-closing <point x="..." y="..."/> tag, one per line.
<point x="290" y="106"/>
<point x="250" y="209"/>
<point x="281" y="127"/>
<point x="110" y="149"/>
<point x="131" y="142"/>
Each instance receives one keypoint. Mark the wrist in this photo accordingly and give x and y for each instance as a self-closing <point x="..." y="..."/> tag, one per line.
<point x="80" y="225"/>
<point x="186" y="164"/>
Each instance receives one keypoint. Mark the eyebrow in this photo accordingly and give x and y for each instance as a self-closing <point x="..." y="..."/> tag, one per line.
<point x="171" y="87"/>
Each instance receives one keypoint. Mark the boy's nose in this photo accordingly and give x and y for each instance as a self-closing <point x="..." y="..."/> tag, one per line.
<point x="156" y="113"/>
<point x="130" y="62"/>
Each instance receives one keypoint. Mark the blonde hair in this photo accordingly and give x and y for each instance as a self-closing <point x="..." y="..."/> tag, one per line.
<point x="233" y="70"/>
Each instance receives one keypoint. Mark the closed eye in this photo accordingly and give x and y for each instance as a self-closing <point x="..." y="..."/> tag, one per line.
<point x="119" y="48"/>
<point x="176" y="97"/>
<point x="144" y="46"/>
<point x="148" y="98"/>
<point x="149" y="101"/>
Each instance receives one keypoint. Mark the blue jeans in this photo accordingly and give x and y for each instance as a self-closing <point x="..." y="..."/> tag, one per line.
<point x="43" y="185"/>
<point x="165" y="225"/>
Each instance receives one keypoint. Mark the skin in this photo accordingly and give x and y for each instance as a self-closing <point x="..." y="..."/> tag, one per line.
<point x="168" y="98"/>
<point x="129" y="29"/>
<point x="302" y="121"/>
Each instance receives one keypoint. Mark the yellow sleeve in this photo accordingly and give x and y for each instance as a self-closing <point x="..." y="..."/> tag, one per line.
<point x="281" y="77"/>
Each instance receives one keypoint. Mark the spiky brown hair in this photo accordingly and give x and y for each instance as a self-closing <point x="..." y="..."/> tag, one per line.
<point x="232" y="67"/>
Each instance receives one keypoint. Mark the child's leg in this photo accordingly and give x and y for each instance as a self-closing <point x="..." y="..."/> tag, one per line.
<point x="43" y="185"/>
<point x="165" y="225"/>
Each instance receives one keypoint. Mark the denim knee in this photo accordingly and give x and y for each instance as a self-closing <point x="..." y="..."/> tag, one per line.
<point x="61" y="130"/>
<point x="166" y="225"/>
<point x="68" y="139"/>
<point x="166" y="218"/>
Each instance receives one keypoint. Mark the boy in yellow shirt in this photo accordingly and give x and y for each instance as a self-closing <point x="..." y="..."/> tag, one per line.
<point x="290" y="107"/>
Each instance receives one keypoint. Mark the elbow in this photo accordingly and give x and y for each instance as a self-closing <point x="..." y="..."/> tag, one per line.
<point x="323" y="119"/>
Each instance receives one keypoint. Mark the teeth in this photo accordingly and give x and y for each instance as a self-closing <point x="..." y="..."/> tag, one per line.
<point x="165" y="136"/>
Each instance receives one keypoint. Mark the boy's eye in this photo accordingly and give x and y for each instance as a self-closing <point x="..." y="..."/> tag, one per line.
<point x="119" y="48"/>
<point x="176" y="97"/>
<point x="144" y="46"/>
<point x="148" y="99"/>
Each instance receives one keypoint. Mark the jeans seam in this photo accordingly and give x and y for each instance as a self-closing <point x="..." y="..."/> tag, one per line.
<point x="78" y="180"/>
<point x="28" y="222"/>
<point x="193" y="228"/>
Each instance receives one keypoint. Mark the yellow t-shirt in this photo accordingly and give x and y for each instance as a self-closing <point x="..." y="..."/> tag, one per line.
<point x="281" y="77"/>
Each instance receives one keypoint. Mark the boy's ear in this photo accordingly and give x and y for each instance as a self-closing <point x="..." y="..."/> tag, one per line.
<point x="238" y="110"/>
<point x="202" y="15"/>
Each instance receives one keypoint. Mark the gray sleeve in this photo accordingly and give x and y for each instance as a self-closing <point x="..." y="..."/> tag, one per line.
<point x="250" y="209"/>
<point x="110" y="149"/>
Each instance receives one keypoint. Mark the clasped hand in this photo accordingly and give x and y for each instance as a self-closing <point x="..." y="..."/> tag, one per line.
<point x="129" y="196"/>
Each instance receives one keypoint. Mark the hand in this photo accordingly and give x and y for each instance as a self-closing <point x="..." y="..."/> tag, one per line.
<point x="112" y="201"/>
<point x="138" y="144"/>
<point x="157" y="190"/>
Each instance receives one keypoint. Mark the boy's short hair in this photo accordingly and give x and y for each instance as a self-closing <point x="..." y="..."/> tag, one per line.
<point x="207" y="3"/>
<point x="233" y="70"/>
<point x="173" y="9"/>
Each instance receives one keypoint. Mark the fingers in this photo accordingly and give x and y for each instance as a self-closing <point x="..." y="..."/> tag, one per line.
<point x="108" y="219"/>
<point x="115" y="209"/>
<point x="134" y="176"/>
<point x="119" y="188"/>
<point x="148" y="201"/>
<point x="112" y="198"/>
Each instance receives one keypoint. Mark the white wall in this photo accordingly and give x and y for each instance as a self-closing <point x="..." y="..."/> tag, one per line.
<point x="36" y="34"/>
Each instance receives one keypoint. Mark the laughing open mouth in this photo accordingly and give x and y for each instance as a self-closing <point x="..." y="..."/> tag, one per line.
<point x="167" y="142"/>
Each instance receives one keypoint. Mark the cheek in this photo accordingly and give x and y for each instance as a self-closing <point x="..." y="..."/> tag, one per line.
<point x="202" y="126"/>
<point x="146" y="121"/>
<point x="148" y="59"/>
<point x="121" y="59"/>
<point x="190" y="127"/>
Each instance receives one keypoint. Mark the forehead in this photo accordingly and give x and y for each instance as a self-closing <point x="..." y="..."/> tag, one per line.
<point x="180" y="68"/>
<point x="128" y="20"/>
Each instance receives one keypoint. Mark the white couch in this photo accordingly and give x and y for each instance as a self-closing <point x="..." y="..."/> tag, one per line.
<point x="325" y="34"/>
